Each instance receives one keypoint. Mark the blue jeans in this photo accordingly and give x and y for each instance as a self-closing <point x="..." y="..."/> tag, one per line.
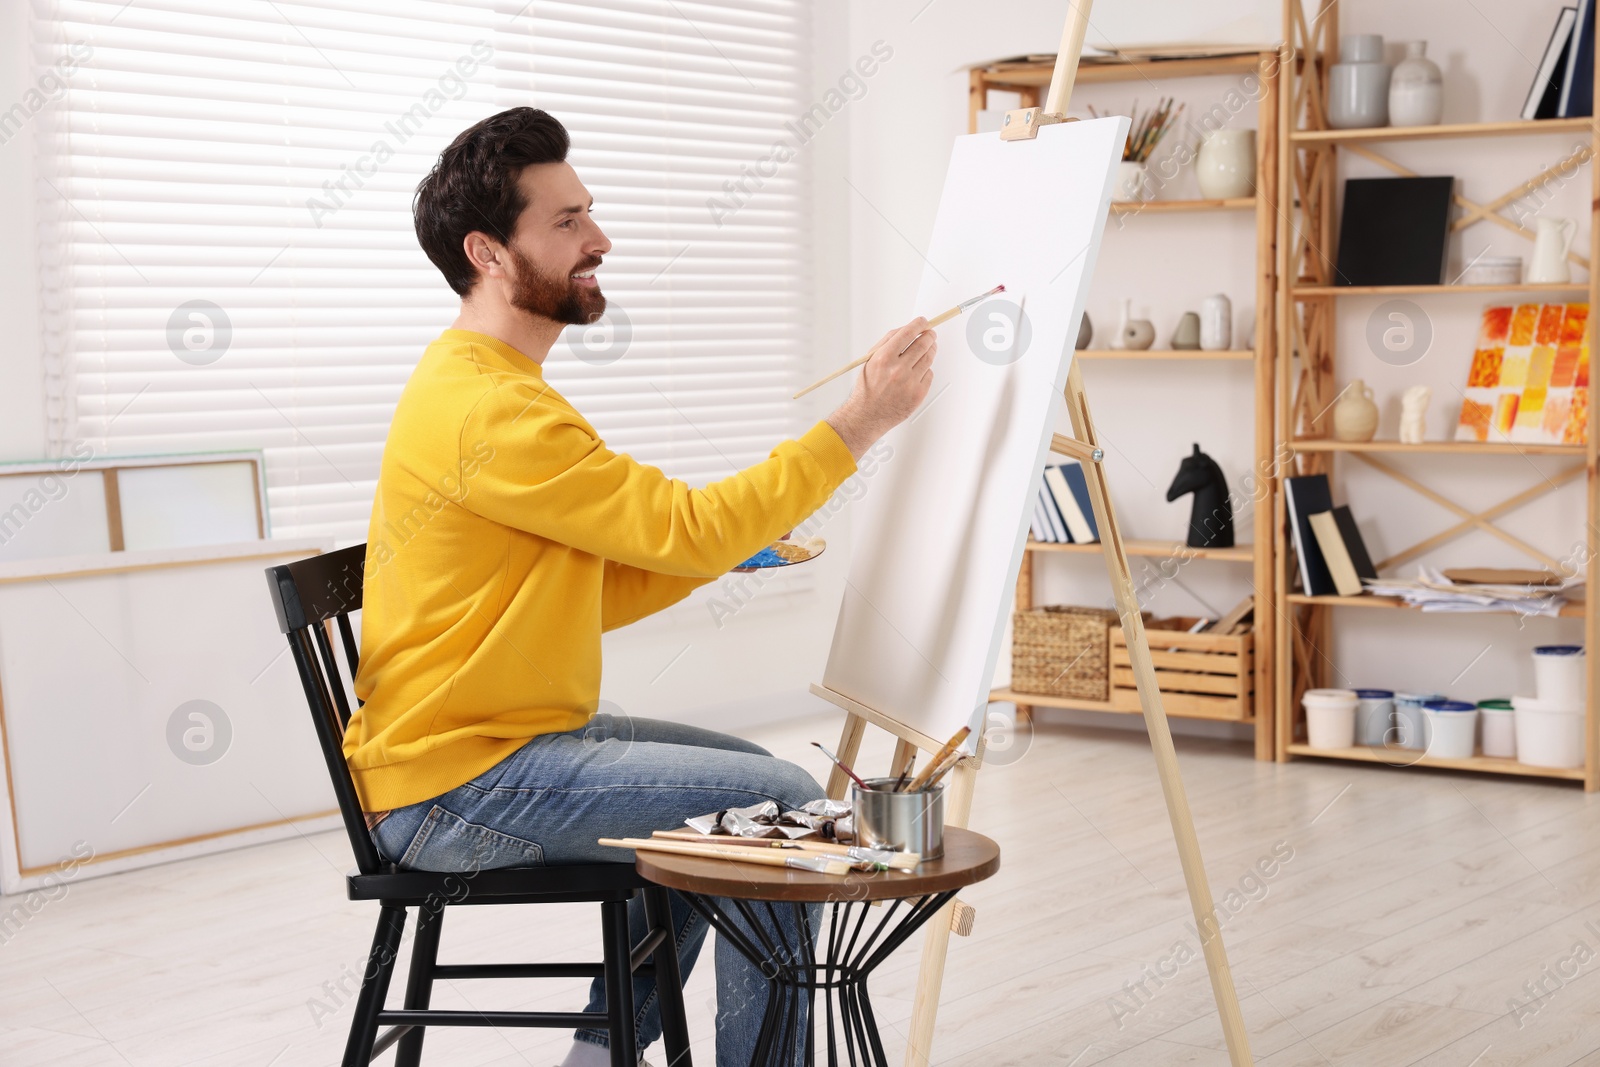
<point x="619" y="776"/>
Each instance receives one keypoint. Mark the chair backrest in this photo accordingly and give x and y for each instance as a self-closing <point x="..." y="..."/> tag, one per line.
<point x="307" y="595"/>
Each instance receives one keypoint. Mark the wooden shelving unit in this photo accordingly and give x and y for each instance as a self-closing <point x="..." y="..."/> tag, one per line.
<point x="1166" y="353"/>
<point x="1306" y="352"/>
<point x="1027" y="79"/>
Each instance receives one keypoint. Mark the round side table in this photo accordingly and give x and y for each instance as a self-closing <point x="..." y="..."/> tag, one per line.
<point x="834" y="957"/>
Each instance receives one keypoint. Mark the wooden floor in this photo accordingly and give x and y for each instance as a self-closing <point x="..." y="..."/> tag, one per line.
<point x="1374" y="916"/>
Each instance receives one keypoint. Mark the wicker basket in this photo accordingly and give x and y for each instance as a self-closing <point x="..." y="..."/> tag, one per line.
<point x="1062" y="651"/>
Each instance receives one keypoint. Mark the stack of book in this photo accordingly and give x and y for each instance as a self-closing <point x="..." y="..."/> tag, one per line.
<point x="1333" y="558"/>
<point x="1563" y="84"/>
<point x="1062" y="514"/>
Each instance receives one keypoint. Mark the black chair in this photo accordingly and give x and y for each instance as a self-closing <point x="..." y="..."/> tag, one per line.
<point x="307" y="595"/>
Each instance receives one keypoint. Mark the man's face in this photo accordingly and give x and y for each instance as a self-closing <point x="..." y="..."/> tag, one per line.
<point x="556" y="247"/>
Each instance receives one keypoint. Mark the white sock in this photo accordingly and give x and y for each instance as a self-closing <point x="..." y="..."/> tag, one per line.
<point x="587" y="1054"/>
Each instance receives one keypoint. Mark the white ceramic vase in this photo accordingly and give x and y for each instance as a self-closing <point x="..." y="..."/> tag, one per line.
<point x="1355" y="416"/>
<point x="1133" y="181"/>
<point x="1226" y="166"/>
<point x="1358" y="85"/>
<point x="1550" y="247"/>
<point x="1416" y="89"/>
<point x="1216" y="323"/>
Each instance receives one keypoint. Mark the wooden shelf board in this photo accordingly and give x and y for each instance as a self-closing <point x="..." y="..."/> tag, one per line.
<point x="1409" y="757"/>
<point x="1495" y="448"/>
<point x="1309" y="291"/>
<point x="1140" y="207"/>
<point x="1368" y="600"/>
<point x="1039" y="700"/>
<point x="1195" y="354"/>
<point x="1430" y="133"/>
<point x="1238" y="553"/>
<point x="1037" y="75"/>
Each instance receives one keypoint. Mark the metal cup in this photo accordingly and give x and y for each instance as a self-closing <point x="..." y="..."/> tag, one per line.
<point x="902" y="822"/>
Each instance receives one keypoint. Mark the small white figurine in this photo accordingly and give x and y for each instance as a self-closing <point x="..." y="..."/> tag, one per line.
<point x="1414" y="414"/>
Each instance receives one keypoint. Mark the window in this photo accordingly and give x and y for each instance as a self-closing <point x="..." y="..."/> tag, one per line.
<point x="227" y="258"/>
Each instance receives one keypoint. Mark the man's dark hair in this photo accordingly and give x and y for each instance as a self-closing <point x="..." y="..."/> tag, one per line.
<point x="474" y="186"/>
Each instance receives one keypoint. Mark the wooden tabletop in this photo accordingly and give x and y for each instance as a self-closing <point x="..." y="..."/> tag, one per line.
<point x="968" y="857"/>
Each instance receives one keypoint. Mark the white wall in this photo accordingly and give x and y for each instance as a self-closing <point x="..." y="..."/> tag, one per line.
<point x="1151" y="414"/>
<point x="21" y="387"/>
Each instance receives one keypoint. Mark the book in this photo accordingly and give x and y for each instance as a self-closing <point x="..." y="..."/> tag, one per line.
<point x="1544" y="95"/>
<point x="1036" y="525"/>
<point x="1052" y="517"/>
<point x="1305" y="496"/>
<point x="1078" y="489"/>
<point x="1071" y="514"/>
<point x="1577" y="86"/>
<point x="1343" y="571"/>
<point x="1529" y="377"/>
<point x="1392" y="231"/>
<point x="1354" y="545"/>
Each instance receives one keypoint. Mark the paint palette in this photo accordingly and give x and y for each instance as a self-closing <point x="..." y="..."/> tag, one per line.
<point x="1530" y="376"/>
<point x="784" y="554"/>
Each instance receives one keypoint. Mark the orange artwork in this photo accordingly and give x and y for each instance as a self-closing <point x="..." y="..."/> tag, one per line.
<point x="1577" y="431"/>
<point x="1522" y="323"/>
<point x="1529" y="376"/>
<point x="1486" y="367"/>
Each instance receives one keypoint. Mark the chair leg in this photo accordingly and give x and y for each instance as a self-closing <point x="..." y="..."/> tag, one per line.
<point x="619" y="983"/>
<point x="419" y="985"/>
<point x="669" y="980"/>
<point x="374" y="986"/>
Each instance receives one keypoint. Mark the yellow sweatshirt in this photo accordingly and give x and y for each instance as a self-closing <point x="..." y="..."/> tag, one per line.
<point x="505" y="538"/>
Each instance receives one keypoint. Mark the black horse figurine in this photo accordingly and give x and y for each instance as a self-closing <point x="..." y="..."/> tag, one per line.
<point x="1211" y="520"/>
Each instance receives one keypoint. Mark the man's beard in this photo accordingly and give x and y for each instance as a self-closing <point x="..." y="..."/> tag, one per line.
<point x="552" y="296"/>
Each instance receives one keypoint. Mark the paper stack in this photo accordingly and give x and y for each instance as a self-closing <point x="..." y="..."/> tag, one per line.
<point x="1432" y="591"/>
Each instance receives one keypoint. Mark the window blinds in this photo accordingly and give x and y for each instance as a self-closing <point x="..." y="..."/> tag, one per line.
<point x="226" y="243"/>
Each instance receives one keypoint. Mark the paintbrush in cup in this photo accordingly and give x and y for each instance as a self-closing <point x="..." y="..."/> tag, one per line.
<point x="854" y="777"/>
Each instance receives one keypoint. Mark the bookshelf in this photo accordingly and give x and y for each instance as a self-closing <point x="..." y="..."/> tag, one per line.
<point x="1308" y="351"/>
<point x="1026" y="79"/>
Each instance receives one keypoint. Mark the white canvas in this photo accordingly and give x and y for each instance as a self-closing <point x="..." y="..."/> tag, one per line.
<point x="939" y="532"/>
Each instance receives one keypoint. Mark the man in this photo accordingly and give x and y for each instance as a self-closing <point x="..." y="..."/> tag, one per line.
<point x="506" y="537"/>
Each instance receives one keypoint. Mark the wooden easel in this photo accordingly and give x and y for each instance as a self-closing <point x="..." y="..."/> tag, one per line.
<point x="1083" y="445"/>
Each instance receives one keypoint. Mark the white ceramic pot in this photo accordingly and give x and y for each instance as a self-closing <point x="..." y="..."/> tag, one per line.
<point x="1355" y="416"/>
<point x="1216" y="323"/>
<point x="1330" y="717"/>
<point x="1416" y="89"/>
<point x="1548" y="735"/>
<point x="1452" y="728"/>
<point x="1226" y="166"/>
<point x="1133" y="181"/>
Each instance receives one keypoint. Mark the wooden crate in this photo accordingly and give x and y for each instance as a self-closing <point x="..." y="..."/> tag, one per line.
<point x="1201" y="676"/>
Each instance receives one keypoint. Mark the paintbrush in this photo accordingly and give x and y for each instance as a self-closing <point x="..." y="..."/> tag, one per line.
<point x="899" y="860"/>
<point x="950" y="746"/>
<point x="854" y="777"/>
<point x="943" y="316"/>
<point x="734" y="853"/>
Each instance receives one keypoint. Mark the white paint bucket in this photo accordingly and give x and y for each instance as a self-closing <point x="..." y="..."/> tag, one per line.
<point x="1375" y="717"/>
<point x="1558" y="674"/>
<point x="1548" y="734"/>
<point x="1330" y="717"/>
<point x="1498" y="728"/>
<point x="1410" y="725"/>
<point x="1452" y="728"/>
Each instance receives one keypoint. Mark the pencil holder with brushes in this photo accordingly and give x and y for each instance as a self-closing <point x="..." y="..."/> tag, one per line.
<point x="902" y="822"/>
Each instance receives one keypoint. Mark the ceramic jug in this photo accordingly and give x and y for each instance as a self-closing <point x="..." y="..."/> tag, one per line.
<point x="1550" y="248"/>
<point x="1355" y="416"/>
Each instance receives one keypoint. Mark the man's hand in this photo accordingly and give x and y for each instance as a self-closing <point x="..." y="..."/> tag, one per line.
<point x="892" y="383"/>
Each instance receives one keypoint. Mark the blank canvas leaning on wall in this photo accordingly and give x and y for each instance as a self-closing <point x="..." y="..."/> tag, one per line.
<point x="939" y="532"/>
